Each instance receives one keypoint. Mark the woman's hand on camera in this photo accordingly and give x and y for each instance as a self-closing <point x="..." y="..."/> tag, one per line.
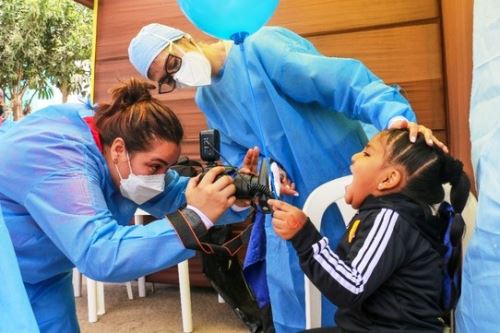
<point x="287" y="219"/>
<point x="211" y="195"/>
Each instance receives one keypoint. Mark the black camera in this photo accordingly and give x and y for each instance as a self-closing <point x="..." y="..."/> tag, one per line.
<point x="248" y="187"/>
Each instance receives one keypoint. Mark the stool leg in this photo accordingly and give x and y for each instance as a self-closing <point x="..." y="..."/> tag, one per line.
<point x="187" y="318"/>
<point x="129" y="290"/>
<point x="92" y="299"/>
<point x="101" y="309"/>
<point x="141" y="285"/>
<point x="77" y="283"/>
<point x="141" y="282"/>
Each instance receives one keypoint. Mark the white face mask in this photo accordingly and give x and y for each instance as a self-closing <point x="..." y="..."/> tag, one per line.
<point x="140" y="188"/>
<point x="195" y="70"/>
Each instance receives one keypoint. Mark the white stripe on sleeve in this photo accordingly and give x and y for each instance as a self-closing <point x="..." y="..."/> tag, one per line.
<point x="353" y="277"/>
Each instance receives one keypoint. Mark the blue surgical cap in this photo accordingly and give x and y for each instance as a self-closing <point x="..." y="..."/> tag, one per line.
<point x="149" y="42"/>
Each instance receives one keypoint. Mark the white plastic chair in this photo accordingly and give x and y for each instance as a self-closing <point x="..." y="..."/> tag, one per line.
<point x="95" y="289"/>
<point x="315" y="206"/>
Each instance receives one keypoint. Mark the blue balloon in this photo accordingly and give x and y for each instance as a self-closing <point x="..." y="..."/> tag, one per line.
<point x="228" y="19"/>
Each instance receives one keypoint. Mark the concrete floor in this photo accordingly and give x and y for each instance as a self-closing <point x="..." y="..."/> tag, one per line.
<point x="159" y="311"/>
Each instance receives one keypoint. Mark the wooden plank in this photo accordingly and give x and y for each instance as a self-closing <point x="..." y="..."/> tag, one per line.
<point x="120" y="20"/>
<point x="408" y="53"/>
<point x="457" y="30"/>
<point x="325" y="16"/>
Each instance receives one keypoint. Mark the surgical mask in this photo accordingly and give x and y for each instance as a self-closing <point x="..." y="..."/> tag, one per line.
<point x="139" y="188"/>
<point x="195" y="70"/>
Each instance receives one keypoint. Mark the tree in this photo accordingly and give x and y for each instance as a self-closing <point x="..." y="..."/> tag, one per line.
<point x="70" y="48"/>
<point x="43" y="42"/>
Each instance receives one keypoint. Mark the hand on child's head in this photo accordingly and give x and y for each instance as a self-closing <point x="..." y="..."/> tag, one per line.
<point x="287" y="219"/>
<point x="415" y="129"/>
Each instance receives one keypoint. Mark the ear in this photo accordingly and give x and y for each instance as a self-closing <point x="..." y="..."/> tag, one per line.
<point x="393" y="179"/>
<point x="118" y="151"/>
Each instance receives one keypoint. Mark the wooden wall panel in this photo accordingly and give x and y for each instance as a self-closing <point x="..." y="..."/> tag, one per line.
<point x="315" y="17"/>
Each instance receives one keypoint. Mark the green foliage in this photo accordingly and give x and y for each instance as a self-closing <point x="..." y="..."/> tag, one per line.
<point x="43" y="42"/>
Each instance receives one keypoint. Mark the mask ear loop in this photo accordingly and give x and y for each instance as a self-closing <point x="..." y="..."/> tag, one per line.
<point x="129" y="166"/>
<point x="119" y="174"/>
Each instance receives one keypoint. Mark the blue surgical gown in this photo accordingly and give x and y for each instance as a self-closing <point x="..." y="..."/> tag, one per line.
<point x="15" y="310"/>
<point x="305" y="117"/>
<point x="62" y="210"/>
<point x="477" y="310"/>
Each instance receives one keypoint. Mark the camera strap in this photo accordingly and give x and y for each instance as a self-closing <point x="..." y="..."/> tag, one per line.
<point x="191" y="230"/>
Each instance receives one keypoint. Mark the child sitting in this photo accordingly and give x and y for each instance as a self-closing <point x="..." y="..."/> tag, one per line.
<point x="386" y="275"/>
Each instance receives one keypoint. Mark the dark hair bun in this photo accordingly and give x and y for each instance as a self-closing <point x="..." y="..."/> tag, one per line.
<point x="132" y="92"/>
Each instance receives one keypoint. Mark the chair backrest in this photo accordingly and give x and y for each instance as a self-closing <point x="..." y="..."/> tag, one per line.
<point x="315" y="206"/>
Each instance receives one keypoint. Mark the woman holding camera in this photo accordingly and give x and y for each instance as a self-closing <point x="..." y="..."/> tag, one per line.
<point x="70" y="186"/>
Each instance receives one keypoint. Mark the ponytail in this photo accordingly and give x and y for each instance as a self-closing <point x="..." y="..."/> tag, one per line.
<point x="452" y="172"/>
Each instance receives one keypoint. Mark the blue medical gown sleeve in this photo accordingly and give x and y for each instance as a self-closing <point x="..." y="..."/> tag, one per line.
<point x="342" y="84"/>
<point x="166" y="203"/>
<point x="71" y="210"/>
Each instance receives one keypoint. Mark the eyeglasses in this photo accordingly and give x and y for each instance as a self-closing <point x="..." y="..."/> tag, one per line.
<point x="167" y="83"/>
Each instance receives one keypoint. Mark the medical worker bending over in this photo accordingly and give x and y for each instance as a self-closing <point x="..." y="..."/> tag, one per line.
<point x="70" y="182"/>
<point x="301" y="109"/>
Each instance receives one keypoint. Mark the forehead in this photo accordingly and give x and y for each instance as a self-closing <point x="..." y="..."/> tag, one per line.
<point x="162" y="150"/>
<point x="378" y="142"/>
